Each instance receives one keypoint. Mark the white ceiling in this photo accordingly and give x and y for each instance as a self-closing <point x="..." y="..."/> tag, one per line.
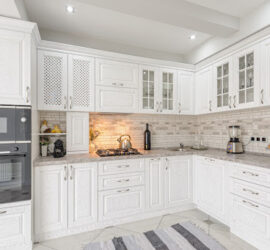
<point x="238" y="8"/>
<point x="155" y="25"/>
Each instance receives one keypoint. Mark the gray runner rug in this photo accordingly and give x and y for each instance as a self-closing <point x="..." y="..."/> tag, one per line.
<point x="184" y="236"/>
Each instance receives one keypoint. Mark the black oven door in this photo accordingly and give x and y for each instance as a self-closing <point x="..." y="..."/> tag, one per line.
<point x="7" y="124"/>
<point x="15" y="174"/>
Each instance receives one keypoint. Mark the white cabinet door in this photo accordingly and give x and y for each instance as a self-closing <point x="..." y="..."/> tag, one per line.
<point x="223" y="85"/>
<point x="149" y="90"/>
<point x="119" y="100"/>
<point x="82" y="194"/>
<point x="80" y="83"/>
<point x="155" y="186"/>
<point x="185" y="96"/>
<point x="116" y="74"/>
<point x="212" y="188"/>
<point x="77" y="132"/>
<point x="246" y="78"/>
<point x="264" y="97"/>
<point x="15" y="227"/>
<point x="121" y="202"/>
<point x="15" y="68"/>
<point x="178" y="181"/>
<point x="203" y="87"/>
<point x="168" y="91"/>
<point x="50" y="199"/>
<point x="52" y="80"/>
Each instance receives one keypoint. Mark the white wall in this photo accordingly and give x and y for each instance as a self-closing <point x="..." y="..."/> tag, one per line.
<point x="251" y="23"/>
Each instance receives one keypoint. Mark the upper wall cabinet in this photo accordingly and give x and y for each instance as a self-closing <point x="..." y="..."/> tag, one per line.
<point x="116" y="74"/>
<point x="168" y="91"/>
<point x="185" y="87"/>
<point x="66" y="82"/>
<point x="246" y="78"/>
<point x="15" y="67"/>
<point x="203" y="93"/>
<point x="223" y="85"/>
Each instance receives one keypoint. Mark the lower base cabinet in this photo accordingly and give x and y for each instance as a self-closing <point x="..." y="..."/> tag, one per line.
<point x="65" y="198"/>
<point x="15" y="227"/>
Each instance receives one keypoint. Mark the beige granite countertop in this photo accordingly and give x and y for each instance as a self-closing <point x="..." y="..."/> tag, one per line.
<point x="259" y="160"/>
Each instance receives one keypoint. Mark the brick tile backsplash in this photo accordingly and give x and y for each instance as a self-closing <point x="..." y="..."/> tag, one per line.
<point x="170" y="130"/>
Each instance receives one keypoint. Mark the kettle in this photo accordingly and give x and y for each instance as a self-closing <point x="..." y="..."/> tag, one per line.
<point x="124" y="142"/>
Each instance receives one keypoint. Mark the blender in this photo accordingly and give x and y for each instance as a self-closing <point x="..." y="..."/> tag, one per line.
<point x="234" y="146"/>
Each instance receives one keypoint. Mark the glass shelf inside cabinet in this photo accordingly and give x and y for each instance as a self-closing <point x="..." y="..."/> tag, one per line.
<point x="148" y="89"/>
<point x="167" y="91"/>
<point x="223" y="85"/>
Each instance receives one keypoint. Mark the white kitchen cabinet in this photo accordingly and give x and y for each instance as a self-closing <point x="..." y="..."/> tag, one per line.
<point x="15" y="68"/>
<point x="178" y="181"/>
<point x="81" y="83"/>
<point x="50" y="199"/>
<point x="65" y="82"/>
<point x="15" y="227"/>
<point x="223" y="86"/>
<point x="77" y="132"/>
<point x="168" y="91"/>
<point x="116" y="99"/>
<point x="212" y="188"/>
<point x="149" y="89"/>
<point x="203" y="91"/>
<point x="185" y="97"/>
<point x="264" y="97"/>
<point x="155" y="183"/>
<point x="116" y="74"/>
<point x="246" y="67"/>
<point x="82" y="194"/>
<point x="122" y="202"/>
<point x="251" y="222"/>
<point x="65" y="199"/>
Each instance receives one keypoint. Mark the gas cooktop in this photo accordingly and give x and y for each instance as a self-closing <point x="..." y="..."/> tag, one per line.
<point x="117" y="152"/>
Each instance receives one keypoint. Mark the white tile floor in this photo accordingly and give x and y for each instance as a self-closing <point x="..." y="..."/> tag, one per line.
<point x="217" y="230"/>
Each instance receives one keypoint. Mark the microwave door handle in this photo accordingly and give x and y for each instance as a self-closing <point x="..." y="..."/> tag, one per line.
<point x="5" y="152"/>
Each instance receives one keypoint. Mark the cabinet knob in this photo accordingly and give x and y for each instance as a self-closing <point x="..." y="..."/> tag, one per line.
<point x="262" y="92"/>
<point x="70" y="105"/>
<point x="27" y="94"/>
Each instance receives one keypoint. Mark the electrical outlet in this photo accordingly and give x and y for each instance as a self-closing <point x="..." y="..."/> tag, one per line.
<point x="258" y="139"/>
<point x="264" y="139"/>
<point x="252" y="138"/>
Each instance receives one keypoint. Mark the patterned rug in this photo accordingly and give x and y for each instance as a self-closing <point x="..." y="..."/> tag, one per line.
<point x="184" y="236"/>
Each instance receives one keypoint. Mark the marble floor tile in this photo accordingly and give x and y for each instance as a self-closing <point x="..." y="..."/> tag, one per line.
<point x="65" y="243"/>
<point x="41" y="247"/>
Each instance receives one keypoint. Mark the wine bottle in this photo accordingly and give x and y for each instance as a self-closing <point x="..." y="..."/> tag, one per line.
<point x="147" y="138"/>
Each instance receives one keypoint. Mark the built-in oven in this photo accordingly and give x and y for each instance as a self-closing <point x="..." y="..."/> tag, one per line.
<point x="15" y="153"/>
<point x="15" y="172"/>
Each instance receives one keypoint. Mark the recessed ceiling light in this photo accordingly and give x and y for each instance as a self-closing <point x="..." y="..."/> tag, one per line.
<point x="192" y="37"/>
<point x="70" y="9"/>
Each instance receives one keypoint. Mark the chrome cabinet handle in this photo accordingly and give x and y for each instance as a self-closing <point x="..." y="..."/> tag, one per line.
<point x="118" y="84"/>
<point x="123" y="166"/>
<point x="234" y="101"/>
<point x="154" y="159"/>
<point x="3" y="212"/>
<point x="160" y="107"/>
<point x="179" y="106"/>
<point x="249" y="203"/>
<point x="250" y="173"/>
<point x="65" y="178"/>
<point x="65" y="102"/>
<point x="209" y="159"/>
<point x="167" y="163"/>
<point x="230" y="102"/>
<point x="250" y="191"/>
<point x="27" y="94"/>
<point x="123" y="191"/>
<point x="210" y="105"/>
<point x="123" y="180"/>
<point x="157" y="105"/>
<point x="71" y="173"/>
<point x="70" y="105"/>
<point x="262" y="94"/>
<point x="114" y="83"/>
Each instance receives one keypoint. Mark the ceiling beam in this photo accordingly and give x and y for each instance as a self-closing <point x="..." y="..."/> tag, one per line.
<point x="175" y="12"/>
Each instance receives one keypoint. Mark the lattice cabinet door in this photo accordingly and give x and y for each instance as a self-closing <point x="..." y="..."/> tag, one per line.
<point x="52" y="81"/>
<point x="80" y="83"/>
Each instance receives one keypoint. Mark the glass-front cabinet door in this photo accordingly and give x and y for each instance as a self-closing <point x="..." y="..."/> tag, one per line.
<point x="168" y="91"/>
<point x="149" y="90"/>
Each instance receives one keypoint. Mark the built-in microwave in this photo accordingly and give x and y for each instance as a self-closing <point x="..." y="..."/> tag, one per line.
<point x="15" y="153"/>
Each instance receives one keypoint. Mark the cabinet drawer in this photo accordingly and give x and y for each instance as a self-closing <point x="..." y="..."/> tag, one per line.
<point x="252" y="192"/>
<point x="15" y="226"/>
<point x="255" y="175"/>
<point x="116" y="74"/>
<point x="123" y="166"/>
<point x="251" y="222"/>
<point x="121" y="202"/>
<point x="120" y="180"/>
